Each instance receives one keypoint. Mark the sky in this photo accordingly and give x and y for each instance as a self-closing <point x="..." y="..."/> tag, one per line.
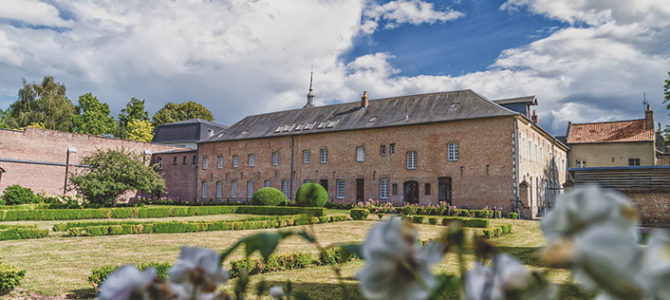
<point x="584" y="60"/>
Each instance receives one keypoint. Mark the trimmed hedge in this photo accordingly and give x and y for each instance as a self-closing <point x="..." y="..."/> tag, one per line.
<point x="152" y="212"/>
<point x="497" y="231"/>
<point x="432" y="221"/>
<point x="359" y="213"/>
<point x="273" y="264"/>
<point x="417" y="219"/>
<point x="467" y="222"/>
<point x="513" y="215"/>
<point x="10" y="278"/>
<point x="311" y="195"/>
<point x="100" y="274"/>
<point x="23" y="233"/>
<point x="268" y="196"/>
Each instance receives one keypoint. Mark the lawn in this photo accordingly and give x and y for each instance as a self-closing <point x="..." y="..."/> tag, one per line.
<point x="58" y="265"/>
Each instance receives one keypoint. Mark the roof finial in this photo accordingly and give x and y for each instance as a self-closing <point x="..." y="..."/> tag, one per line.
<point x="310" y="94"/>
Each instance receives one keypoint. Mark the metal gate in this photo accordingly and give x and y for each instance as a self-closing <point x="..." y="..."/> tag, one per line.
<point x="549" y="189"/>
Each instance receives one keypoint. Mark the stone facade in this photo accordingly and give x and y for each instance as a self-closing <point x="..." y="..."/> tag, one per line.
<point x="178" y="168"/>
<point x="36" y="158"/>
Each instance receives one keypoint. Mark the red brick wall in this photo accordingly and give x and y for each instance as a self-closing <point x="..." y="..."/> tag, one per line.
<point x="179" y="177"/>
<point x="51" y="146"/>
<point x="484" y="144"/>
<point x="654" y="208"/>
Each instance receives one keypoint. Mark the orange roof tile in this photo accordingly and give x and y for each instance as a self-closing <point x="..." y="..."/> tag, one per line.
<point x="610" y="132"/>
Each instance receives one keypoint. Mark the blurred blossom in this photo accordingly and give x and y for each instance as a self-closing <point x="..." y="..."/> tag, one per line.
<point x="277" y="292"/>
<point x="395" y="266"/>
<point x="127" y="282"/>
<point x="508" y="277"/>
<point x="197" y="268"/>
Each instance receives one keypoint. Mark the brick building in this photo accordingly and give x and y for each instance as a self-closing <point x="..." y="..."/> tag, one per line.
<point x="43" y="159"/>
<point x="457" y="147"/>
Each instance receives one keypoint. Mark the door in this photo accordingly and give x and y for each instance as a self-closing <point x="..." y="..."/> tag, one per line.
<point x="324" y="183"/>
<point x="444" y="189"/>
<point x="360" y="189"/>
<point x="411" y="189"/>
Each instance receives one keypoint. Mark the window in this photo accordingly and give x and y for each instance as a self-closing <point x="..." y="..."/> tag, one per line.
<point x="392" y="149"/>
<point x="219" y="189"/>
<point x="233" y="189"/>
<point x="275" y="158"/>
<point x="266" y="183"/>
<point x="427" y="187"/>
<point x="195" y="159"/>
<point x="305" y="156"/>
<point x="324" y="156"/>
<point x="219" y="162"/>
<point x="633" y="161"/>
<point x="205" y="163"/>
<point x="236" y="161"/>
<point x="185" y="161"/>
<point x="250" y="189"/>
<point x="541" y="155"/>
<point x="452" y="151"/>
<point x="411" y="160"/>
<point x="284" y="188"/>
<point x="307" y="181"/>
<point x="384" y="188"/>
<point x="251" y="159"/>
<point x="174" y="160"/>
<point x="580" y="164"/>
<point x="528" y="150"/>
<point x="360" y="154"/>
<point x="210" y="132"/>
<point x="394" y="189"/>
<point x="204" y="189"/>
<point x="340" y="189"/>
<point x="160" y="163"/>
<point x="382" y="150"/>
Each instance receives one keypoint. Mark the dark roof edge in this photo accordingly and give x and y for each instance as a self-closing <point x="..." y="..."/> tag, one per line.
<point x="613" y="142"/>
<point x="175" y="151"/>
<point x="544" y="132"/>
<point x="532" y="99"/>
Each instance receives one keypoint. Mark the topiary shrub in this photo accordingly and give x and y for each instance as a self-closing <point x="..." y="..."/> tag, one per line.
<point x="312" y="195"/>
<point x="432" y="221"/>
<point x="16" y="194"/>
<point x="359" y="213"/>
<point x="269" y="196"/>
<point x="417" y="219"/>
<point x="10" y="277"/>
<point x="513" y="215"/>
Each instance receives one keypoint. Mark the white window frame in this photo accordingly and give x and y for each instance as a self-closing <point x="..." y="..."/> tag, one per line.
<point x="251" y="159"/>
<point x="323" y="155"/>
<point x="160" y="163"/>
<point x="411" y="160"/>
<point x="233" y="189"/>
<point x="275" y="158"/>
<point x="266" y="183"/>
<point x="205" y="163"/>
<point x="219" y="189"/>
<point x="452" y="152"/>
<point x="306" y="156"/>
<point x="250" y="189"/>
<point x="284" y="188"/>
<point x="219" y="162"/>
<point x="236" y="161"/>
<point x="203" y="188"/>
<point x="384" y="189"/>
<point x="340" y="189"/>
<point x="360" y="154"/>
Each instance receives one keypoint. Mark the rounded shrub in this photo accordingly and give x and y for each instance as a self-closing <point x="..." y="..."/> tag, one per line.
<point x="311" y="194"/>
<point x="268" y="196"/>
<point x="359" y="213"/>
<point x="17" y="194"/>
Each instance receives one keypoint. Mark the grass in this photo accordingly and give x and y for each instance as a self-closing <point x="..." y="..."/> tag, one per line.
<point x="58" y="266"/>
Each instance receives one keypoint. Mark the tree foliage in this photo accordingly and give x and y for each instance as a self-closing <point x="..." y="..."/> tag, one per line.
<point x="44" y="103"/>
<point x="179" y="112"/>
<point x="3" y="116"/>
<point x="93" y="117"/>
<point x="134" y="110"/>
<point x="140" y="130"/>
<point x="113" y="172"/>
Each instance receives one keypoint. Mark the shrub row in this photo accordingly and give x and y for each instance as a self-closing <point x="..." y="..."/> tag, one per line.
<point x="182" y="227"/>
<point x="497" y="231"/>
<point x="151" y="212"/>
<point x="293" y="261"/>
<point x="100" y="274"/>
<point x="433" y="211"/>
<point x="513" y="215"/>
<point x="23" y="233"/>
<point x="68" y="225"/>
<point x="467" y="222"/>
<point x="359" y="213"/>
<point x="10" y="278"/>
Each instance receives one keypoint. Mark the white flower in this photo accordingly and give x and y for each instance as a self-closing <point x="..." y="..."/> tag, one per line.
<point x="197" y="268"/>
<point x="655" y="266"/>
<point x="395" y="266"/>
<point x="127" y="282"/>
<point x="277" y="292"/>
<point x="483" y="283"/>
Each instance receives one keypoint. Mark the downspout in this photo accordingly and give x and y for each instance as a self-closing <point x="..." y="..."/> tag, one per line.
<point x="516" y="168"/>
<point x="290" y="181"/>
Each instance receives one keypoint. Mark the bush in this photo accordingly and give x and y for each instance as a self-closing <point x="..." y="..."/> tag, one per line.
<point x="311" y="195"/>
<point x="100" y="274"/>
<point x="432" y="220"/>
<point x="359" y="213"/>
<point x="18" y="233"/>
<point x="417" y="219"/>
<point x="10" y="278"/>
<point x="16" y="194"/>
<point x="467" y="222"/>
<point x="513" y="215"/>
<point x="268" y="196"/>
<point x="75" y="231"/>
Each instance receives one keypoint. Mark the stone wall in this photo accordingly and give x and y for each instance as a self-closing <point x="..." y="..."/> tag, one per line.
<point x="178" y="168"/>
<point x="654" y="208"/>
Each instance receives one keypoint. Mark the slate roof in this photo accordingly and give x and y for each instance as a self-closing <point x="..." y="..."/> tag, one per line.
<point x="387" y="112"/>
<point x="188" y="131"/>
<point x="610" y="132"/>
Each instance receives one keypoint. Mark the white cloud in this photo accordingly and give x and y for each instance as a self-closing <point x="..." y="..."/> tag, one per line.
<point x="398" y="12"/>
<point x="32" y="12"/>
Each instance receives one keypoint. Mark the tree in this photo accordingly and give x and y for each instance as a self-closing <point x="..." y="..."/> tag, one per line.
<point x="134" y="110"/>
<point x="140" y="130"/>
<point x="3" y="116"/>
<point x="179" y="112"/>
<point x="93" y="117"/>
<point x="44" y="103"/>
<point x="113" y="172"/>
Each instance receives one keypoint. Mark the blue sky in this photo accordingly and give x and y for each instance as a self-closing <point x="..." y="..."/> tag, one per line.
<point x="585" y="60"/>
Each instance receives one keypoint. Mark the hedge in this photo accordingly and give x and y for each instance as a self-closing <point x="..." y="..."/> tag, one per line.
<point x="292" y="261"/>
<point x="10" y="278"/>
<point x="152" y="212"/>
<point x="497" y="231"/>
<point x="467" y="222"/>
<point x="268" y="196"/>
<point x="359" y="213"/>
<point x="23" y="233"/>
<point x="417" y="219"/>
<point x="432" y="220"/>
<point x="513" y="215"/>
<point x="100" y="274"/>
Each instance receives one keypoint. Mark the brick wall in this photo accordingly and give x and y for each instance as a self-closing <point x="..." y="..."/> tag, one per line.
<point x="178" y="168"/>
<point x="654" y="208"/>
<point x="44" y="152"/>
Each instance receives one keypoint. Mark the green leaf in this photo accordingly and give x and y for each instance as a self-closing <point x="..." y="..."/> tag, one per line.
<point x="306" y="236"/>
<point x="263" y="242"/>
<point x="230" y="250"/>
<point x="447" y="285"/>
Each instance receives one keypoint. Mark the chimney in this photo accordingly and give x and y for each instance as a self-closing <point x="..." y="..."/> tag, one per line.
<point x="534" y="117"/>
<point x="364" y="99"/>
<point x="649" y="119"/>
